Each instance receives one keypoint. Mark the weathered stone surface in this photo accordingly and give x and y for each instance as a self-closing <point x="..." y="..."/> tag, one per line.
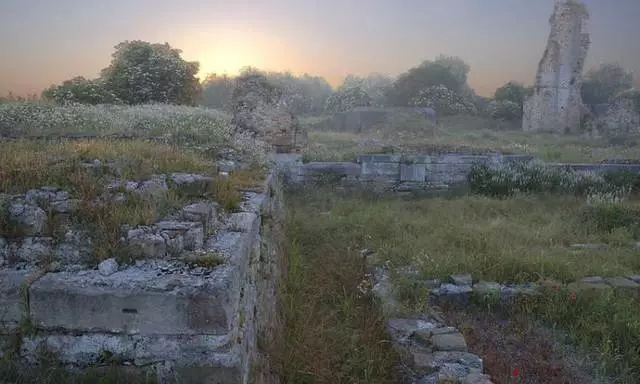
<point x="449" y="342"/>
<point x="462" y="279"/>
<point x="635" y="278"/>
<point x="621" y="282"/>
<point x="75" y="247"/>
<point x="485" y="287"/>
<point x="580" y="286"/>
<point x="12" y="307"/>
<point x="82" y="350"/>
<point x="4" y="251"/>
<point x="412" y="172"/>
<point x="593" y="280"/>
<point x="432" y="362"/>
<point x="556" y="104"/>
<point x="31" y="219"/>
<point x="181" y="349"/>
<point x="135" y="301"/>
<point x="146" y="243"/>
<point x="243" y="221"/>
<point x="34" y="250"/>
<point x="477" y="378"/>
<point x="191" y="184"/>
<point x="200" y="212"/>
<point x="108" y="267"/>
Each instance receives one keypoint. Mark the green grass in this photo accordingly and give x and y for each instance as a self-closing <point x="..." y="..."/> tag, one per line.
<point x="333" y="334"/>
<point x="408" y="134"/>
<point x="509" y="240"/>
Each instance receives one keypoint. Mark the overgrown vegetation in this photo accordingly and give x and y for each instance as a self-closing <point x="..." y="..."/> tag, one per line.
<point x="71" y="166"/>
<point x="516" y="239"/>
<point x="333" y="334"/>
<point x="408" y="133"/>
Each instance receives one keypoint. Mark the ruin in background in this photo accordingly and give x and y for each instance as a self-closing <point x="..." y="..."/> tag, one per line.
<point x="556" y="104"/>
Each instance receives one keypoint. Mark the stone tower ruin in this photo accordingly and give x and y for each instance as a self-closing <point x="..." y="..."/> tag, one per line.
<point x="556" y="103"/>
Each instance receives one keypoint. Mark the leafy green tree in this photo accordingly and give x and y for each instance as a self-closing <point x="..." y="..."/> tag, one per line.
<point x="141" y="72"/>
<point x="428" y="74"/>
<point x="514" y="92"/>
<point x="602" y="83"/>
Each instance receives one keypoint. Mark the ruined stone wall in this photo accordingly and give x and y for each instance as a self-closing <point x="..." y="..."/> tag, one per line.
<point x="199" y="292"/>
<point x="413" y="174"/>
<point x="556" y="104"/>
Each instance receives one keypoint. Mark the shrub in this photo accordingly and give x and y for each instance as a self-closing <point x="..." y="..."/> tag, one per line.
<point x="504" y="110"/>
<point x="534" y="177"/>
<point x="444" y="101"/>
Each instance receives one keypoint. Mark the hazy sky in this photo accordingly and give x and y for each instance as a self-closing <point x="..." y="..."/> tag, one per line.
<point x="48" y="41"/>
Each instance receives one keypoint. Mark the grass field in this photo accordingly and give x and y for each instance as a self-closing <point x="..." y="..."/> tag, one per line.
<point x="507" y="240"/>
<point x="406" y="134"/>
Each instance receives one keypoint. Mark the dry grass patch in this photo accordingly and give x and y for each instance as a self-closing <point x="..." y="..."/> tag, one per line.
<point x="31" y="164"/>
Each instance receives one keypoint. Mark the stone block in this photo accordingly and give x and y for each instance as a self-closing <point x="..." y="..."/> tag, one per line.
<point x="465" y="279"/>
<point x="12" y="307"/>
<point x="137" y="301"/>
<point x="378" y="159"/>
<point x="621" y="282"/>
<point x="412" y="172"/>
<point x="243" y="221"/>
<point x="380" y="171"/>
<point x="81" y="350"/>
<point x="449" y="342"/>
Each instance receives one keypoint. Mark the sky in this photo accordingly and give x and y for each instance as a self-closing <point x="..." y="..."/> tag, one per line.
<point x="45" y="42"/>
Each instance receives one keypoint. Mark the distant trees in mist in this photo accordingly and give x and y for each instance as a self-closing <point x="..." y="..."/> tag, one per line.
<point x="142" y="72"/>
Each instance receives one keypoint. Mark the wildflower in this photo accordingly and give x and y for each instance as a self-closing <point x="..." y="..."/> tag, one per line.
<point x="573" y="296"/>
<point x="515" y="375"/>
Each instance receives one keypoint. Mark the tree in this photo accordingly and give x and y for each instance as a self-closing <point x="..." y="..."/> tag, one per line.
<point x="252" y="95"/>
<point x="426" y="75"/>
<point x="216" y="91"/>
<point x="141" y="72"/>
<point x="602" y="83"/>
<point x="514" y="92"/>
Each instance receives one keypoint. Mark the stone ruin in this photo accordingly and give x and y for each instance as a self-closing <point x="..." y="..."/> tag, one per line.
<point x="556" y="104"/>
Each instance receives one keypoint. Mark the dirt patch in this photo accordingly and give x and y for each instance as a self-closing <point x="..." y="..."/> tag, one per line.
<point x="516" y="347"/>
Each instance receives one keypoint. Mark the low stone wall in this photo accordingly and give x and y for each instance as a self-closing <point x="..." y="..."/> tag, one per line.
<point x="192" y="308"/>
<point x="405" y="173"/>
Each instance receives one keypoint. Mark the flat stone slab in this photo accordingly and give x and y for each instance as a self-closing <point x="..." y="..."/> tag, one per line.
<point x="621" y="282"/>
<point x="449" y="342"/>
<point x="137" y="301"/>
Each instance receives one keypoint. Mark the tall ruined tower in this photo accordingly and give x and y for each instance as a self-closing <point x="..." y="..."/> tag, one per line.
<point x="556" y="104"/>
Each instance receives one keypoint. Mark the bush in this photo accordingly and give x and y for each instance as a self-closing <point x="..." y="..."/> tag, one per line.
<point x="346" y="98"/>
<point x="533" y="177"/>
<point x="609" y="217"/>
<point x="504" y="110"/>
<point x="444" y="101"/>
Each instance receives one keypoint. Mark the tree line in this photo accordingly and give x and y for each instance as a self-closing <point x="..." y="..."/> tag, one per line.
<point x="141" y="72"/>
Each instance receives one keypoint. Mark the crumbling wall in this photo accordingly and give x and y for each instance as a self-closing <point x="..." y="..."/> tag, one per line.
<point x="556" y="104"/>
<point x="194" y="307"/>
